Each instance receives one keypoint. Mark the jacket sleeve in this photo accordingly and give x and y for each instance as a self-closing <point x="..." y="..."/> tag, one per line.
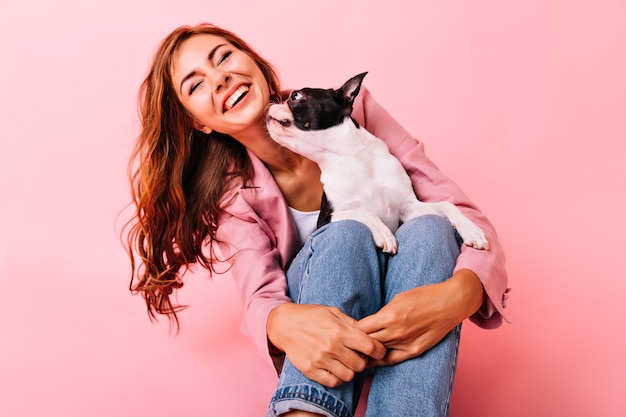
<point x="250" y="254"/>
<point x="430" y="184"/>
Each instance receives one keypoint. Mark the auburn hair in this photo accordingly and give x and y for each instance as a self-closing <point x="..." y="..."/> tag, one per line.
<point x="178" y="177"/>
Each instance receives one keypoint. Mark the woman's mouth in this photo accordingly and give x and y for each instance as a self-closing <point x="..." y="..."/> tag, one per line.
<point x="234" y="98"/>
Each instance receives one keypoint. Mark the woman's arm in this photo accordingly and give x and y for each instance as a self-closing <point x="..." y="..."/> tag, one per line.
<point x="416" y="320"/>
<point x="430" y="184"/>
<point x="321" y="342"/>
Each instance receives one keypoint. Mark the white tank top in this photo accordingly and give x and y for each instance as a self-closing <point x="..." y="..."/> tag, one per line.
<point x="306" y="222"/>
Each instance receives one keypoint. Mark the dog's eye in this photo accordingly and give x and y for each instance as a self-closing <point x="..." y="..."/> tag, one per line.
<point x="295" y="96"/>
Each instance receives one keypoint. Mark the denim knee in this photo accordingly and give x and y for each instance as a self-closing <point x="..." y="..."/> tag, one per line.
<point x="345" y="233"/>
<point x="339" y="265"/>
<point x="345" y="239"/>
<point x="431" y="229"/>
<point x="427" y="253"/>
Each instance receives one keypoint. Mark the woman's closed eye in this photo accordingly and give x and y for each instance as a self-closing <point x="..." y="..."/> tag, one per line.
<point x="194" y="86"/>
<point x="223" y="57"/>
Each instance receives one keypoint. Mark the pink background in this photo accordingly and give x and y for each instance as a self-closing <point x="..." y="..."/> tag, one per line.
<point x="522" y="103"/>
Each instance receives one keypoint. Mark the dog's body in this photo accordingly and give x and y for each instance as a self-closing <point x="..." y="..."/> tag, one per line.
<point x="362" y="180"/>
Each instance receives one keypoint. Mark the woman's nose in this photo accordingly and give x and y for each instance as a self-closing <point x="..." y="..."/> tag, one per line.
<point x="221" y="81"/>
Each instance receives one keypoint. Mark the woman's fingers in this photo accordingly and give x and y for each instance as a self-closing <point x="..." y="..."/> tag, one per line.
<point x="417" y="319"/>
<point x="358" y="340"/>
<point x="322" y="342"/>
<point x="410" y="324"/>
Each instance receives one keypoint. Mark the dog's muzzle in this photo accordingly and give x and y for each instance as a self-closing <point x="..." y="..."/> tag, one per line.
<point x="282" y="122"/>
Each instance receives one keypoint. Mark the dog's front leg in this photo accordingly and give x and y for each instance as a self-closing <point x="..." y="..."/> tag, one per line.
<point x="471" y="234"/>
<point x="383" y="236"/>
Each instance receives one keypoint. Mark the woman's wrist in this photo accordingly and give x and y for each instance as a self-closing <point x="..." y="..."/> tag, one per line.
<point x="272" y="328"/>
<point x="468" y="293"/>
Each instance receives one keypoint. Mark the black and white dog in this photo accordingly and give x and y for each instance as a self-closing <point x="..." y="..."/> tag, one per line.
<point x="362" y="180"/>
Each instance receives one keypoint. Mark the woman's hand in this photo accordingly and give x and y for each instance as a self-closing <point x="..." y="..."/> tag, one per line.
<point x="416" y="320"/>
<point x="322" y="342"/>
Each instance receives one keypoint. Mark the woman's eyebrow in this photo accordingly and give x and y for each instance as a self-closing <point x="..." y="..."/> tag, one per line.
<point x="214" y="50"/>
<point x="182" y="82"/>
<point x="192" y="73"/>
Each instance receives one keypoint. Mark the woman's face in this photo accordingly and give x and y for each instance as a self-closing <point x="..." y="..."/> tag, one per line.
<point x="221" y="86"/>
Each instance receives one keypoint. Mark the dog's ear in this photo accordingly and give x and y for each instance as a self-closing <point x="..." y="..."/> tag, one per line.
<point x="351" y="87"/>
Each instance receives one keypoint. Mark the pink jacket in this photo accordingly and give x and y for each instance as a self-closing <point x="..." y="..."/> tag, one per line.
<point x="259" y="228"/>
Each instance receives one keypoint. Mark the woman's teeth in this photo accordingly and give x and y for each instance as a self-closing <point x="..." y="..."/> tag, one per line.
<point x="235" y="97"/>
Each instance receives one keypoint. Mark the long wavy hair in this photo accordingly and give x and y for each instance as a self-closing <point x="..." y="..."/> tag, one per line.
<point x="178" y="177"/>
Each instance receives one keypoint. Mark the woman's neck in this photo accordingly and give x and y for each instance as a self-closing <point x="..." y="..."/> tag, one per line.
<point x="297" y="177"/>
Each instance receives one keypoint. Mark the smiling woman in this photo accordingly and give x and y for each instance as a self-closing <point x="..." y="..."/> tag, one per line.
<point x="211" y="187"/>
<point x="522" y="102"/>
<point x="212" y="83"/>
<point x="175" y="217"/>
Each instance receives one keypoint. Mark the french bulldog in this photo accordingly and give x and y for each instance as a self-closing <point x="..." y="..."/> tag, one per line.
<point x="362" y="180"/>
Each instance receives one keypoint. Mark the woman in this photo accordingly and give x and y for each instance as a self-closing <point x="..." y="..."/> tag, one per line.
<point x="212" y="188"/>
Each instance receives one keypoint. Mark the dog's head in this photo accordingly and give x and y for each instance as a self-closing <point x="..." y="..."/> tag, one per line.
<point x="309" y="111"/>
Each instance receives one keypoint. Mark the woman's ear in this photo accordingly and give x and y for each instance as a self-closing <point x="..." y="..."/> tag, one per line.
<point x="202" y="128"/>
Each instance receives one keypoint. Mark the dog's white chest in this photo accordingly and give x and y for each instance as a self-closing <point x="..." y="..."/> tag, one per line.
<point x="368" y="177"/>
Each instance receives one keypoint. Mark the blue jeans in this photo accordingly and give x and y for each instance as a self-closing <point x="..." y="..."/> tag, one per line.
<point x="340" y="266"/>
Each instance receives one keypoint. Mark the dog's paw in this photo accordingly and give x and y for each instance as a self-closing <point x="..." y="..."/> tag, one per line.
<point x="383" y="236"/>
<point x="385" y="240"/>
<point x="472" y="235"/>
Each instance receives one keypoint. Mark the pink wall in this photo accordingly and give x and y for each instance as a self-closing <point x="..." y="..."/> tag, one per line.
<point x="523" y="103"/>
